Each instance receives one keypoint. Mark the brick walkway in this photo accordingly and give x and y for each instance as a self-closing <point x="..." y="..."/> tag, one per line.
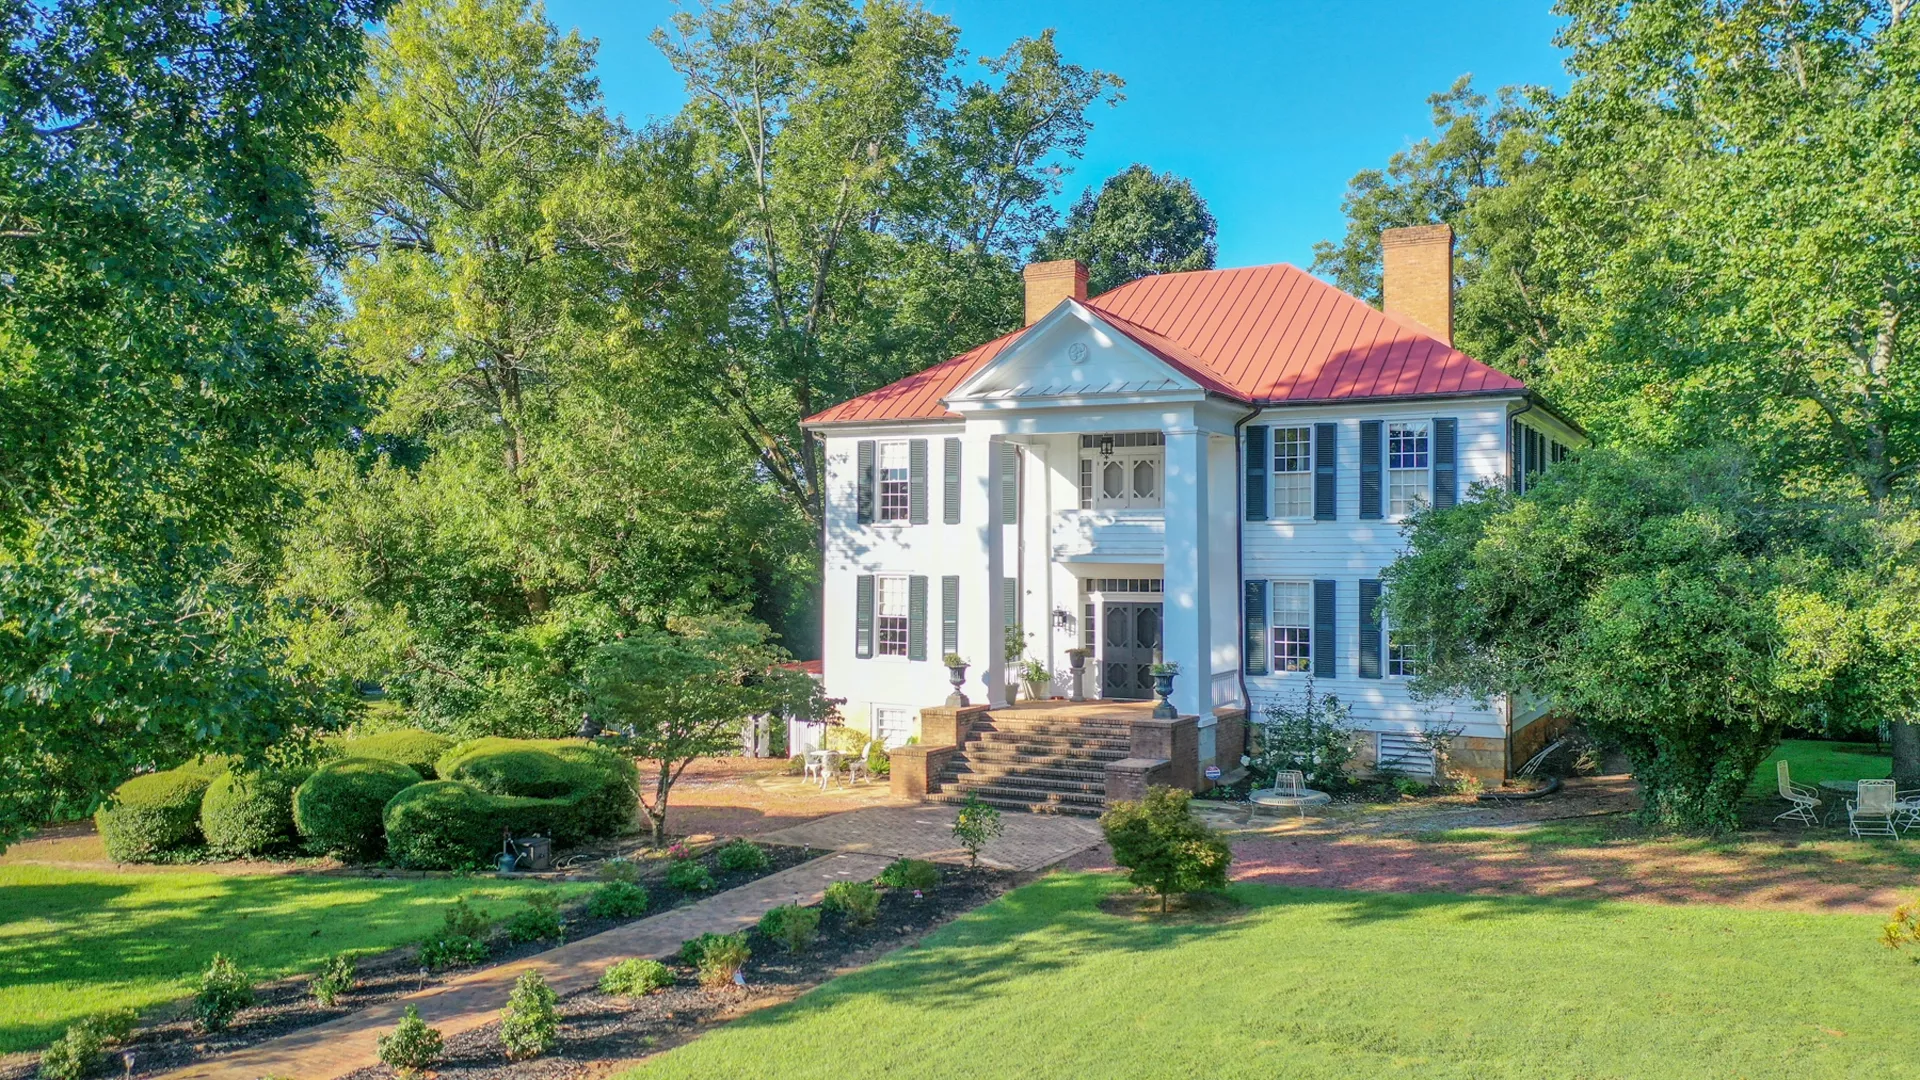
<point x="925" y="831"/>
<point x="334" y="1049"/>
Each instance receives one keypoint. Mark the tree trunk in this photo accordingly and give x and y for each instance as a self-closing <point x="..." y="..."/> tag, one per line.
<point x="1904" y="735"/>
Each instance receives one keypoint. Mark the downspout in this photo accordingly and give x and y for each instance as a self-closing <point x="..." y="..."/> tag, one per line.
<point x="1240" y="555"/>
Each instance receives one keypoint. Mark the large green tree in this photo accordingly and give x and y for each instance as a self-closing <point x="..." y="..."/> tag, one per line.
<point x="884" y="199"/>
<point x="1480" y="172"/>
<point x="521" y="269"/>
<point x="156" y="228"/>
<point x="1649" y="594"/>
<point x="1138" y="223"/>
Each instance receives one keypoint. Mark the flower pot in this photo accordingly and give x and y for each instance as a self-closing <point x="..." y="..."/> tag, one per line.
<point x="956" y="675"/>
<point x="1163" y="689"/>
<point x="1035" y="691"/>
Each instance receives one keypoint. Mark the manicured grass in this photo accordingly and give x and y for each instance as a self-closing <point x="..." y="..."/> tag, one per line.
<point x="1813" y="760"/>
<point x="1312" y="983"/>
<point x="76" y="943"/>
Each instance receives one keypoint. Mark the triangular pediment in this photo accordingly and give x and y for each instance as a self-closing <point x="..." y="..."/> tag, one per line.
<point x="1072" y="353"/>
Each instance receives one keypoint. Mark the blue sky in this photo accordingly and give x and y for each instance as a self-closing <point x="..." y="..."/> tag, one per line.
<point x="1268" y="107"/>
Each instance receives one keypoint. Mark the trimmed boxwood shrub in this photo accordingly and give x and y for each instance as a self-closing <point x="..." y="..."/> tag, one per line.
<point x="250" y="812"/>
<point x="448" y="825"/>
<point x="338" y="809"/>
<point x="158" y="812"/>
<point x="416" y="749"/>
<point x="589" y="791"/>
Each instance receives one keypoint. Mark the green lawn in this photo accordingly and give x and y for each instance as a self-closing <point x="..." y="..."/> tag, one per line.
<point x="1814" y="760"/>
<point x="1312" y="983"/>
<point x="75" y="943"/>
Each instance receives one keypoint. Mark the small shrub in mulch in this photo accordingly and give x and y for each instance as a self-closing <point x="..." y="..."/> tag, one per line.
<point x="792" y="926"/>
<point x="741" y="855"/>
<point x="223" y="991"/>
<point x="412" y="1047"/>
<point x="910" y="874"/>
<point x="538" y="921"/>
<point x="635" y="978"/>
<point x="78" y="1053"/>
<point x="334" y="980"/>
<point x="529" y="1026"/>
<point x="857" y="900"/>
<point x="718" y="957"/>
<point x="618" y="900"/>
<point x="690" y="875"/>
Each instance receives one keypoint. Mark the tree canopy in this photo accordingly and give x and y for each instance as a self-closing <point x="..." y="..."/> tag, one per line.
<point x="1139" y="223"/>
<point x="157" y="227"/>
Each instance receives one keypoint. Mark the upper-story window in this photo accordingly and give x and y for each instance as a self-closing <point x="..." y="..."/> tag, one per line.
<point x="1293" y="472"/>
<point x="1123" y="470"/>
<point x="895" y="484"/>
<point x="1408" y="462"/>
<point x="890" y="616"/>
<point x="1534" y="451"/>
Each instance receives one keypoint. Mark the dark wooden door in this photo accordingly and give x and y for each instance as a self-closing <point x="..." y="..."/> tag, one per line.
<point x="1127" y="644"/>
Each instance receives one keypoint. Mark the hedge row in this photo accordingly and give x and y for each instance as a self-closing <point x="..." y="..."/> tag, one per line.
<point x="380" y="799"/>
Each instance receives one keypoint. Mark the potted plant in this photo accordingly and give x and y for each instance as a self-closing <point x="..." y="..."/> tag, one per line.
<point x="1077" y="670"/>
<point x="1035" y="678"/>
<point x="956" y="674"/>
<point x="1163" y="674"/>
<point x="1013" y="647"/>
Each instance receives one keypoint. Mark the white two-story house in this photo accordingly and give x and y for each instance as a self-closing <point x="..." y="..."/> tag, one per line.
<point x="1209" y="468"/>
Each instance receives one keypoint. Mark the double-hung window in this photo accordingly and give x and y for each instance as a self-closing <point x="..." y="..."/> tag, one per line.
<point x="1400" y="663"/>
<point x="895" y="483"/>
<point x="1408" y="463"/>
<point x="1293" y="472"/>
<point x="1292" y="626"/>
<point x="890" y="616"/>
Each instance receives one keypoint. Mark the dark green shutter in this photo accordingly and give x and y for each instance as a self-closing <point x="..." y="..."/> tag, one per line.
<point x="1446" y="456"/>
<point x="1370" y="471"/>
<point x="1323" y="629"/>
<point x="1255" y="660"/>
<point x="863" y="460"/>
<point x="1369" y="629"/>
<point x="863" y="616"/>
<point x="917" y="617"/>
<point x="951" y="510"/>
<point x="1256" y="473"/>
<point x="949" y="615"/>
<point x="1010" y="600"/>
<point x="916" y="481"/>
<point x="1325" y="491"/>
<point x="1009" y="471"/>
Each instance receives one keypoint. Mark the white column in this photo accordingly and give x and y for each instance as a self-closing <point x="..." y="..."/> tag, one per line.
<point x="1188" y="610"/>
<point x="981" y="567"/>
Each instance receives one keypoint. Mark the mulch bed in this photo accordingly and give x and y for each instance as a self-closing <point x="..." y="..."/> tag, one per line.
<point x="167" y="1040"/>
<point x="599" y="1033"/>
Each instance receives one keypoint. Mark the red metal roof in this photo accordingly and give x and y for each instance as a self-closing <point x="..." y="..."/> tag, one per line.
<point x="1262" y="334"/>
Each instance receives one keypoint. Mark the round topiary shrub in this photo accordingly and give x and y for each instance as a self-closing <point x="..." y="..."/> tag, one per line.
<point x="449" y="825"/>
<point x="338" y="809"/>
<point x="250" y="812"/>
<point x="416" y="749"/>
<point x="588" y="791"/>
<point x="156" y="813"/>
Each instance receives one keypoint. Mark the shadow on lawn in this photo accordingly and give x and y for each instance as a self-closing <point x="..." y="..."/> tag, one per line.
<point x="161" y="934"/>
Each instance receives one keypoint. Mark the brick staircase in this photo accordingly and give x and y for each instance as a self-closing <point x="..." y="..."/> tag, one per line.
<point x="1036" y="761"/>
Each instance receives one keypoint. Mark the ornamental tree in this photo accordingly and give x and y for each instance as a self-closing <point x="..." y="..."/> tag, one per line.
<point x="680" y="693"/>
<point x="1164" y="847"/>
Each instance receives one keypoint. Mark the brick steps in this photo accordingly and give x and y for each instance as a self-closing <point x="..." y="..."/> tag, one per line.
<point x="1037" y="763"/>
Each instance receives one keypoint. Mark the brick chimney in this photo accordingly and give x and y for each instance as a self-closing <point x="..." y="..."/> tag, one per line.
<point x="1048" y="283"/>
<point x="1416" y="277"/>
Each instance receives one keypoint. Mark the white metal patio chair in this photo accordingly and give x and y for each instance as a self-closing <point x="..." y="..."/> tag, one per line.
<point x="1906" y="806"/>
<point x="814" y="762"/>
<point x="1871" y="813"/>
<point x="857" y="769"/>
<point x="1805" y="800"/>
